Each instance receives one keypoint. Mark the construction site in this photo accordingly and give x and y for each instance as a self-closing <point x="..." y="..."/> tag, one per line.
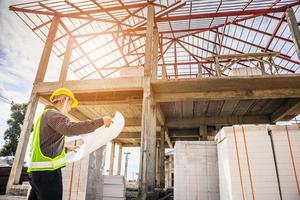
<point x="216" y="82"/>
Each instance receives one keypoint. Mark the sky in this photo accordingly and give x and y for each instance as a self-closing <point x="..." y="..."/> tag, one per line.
<point x="20" y="51"/>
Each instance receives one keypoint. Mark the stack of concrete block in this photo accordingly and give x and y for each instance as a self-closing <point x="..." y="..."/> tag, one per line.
<point x="75" y="180"/>
<point x="114" y="188"/>
<point x="247" y="167"/>
<point x="287" y="150"/>
<point x="196" y="170"/>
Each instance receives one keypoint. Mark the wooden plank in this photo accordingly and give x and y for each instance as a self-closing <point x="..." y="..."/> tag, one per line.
<point x="214" y="108"/>
<point x="228" y="95"/>
<point x="160" y="115"/>
<point x="187" y="109"/>
<point x="162" y="158"/>
<point x="112" y="158"/>
<point x="228" y="107"/>
<point x="271" y="106"/>
<point x="15" y="174"/>
<point x="120" y="159"/>
<point x="66" y="61"/>
<point x="203" y="132"/>
<point x="168" y="139"/>
<point x="94" y="85"/>
<point x="243" y="106"/>
<point x="294" y="28"/>
<point x="257" y="107"/>
<point x="212" y="84"/>
<point x="217" y="120"/>
<point x="201" y="108"/>
<point x="243" y="55"/>
<point x="287" y="111"/>
<point x="178" y="109"/>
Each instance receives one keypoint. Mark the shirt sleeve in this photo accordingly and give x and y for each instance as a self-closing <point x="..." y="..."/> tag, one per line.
<point x="62" y="124"/>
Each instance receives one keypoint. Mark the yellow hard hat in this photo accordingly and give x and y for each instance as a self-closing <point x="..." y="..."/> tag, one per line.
<point x="64" y="91"/>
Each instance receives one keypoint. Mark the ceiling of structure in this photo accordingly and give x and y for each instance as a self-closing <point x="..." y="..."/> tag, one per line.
<point x="110" y="35"/>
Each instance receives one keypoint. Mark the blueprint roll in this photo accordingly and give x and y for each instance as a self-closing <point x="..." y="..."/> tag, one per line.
<point x="95" y="140"/>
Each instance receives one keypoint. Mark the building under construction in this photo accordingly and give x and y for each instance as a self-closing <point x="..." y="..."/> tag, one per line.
<point x="177" y="70"/>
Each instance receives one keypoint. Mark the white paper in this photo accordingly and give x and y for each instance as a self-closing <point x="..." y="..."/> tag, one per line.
<point x="95" y="140"/>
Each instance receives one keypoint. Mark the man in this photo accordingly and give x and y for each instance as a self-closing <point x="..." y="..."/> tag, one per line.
<point x="47" y="151"/>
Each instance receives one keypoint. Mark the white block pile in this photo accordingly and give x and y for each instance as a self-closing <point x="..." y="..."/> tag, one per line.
<point x="114" y="188"/>
<point x="196" y="170"/>
<point x="75" y="180"/>
<point x="288" y="157"/>
<point x="247" y="167"/>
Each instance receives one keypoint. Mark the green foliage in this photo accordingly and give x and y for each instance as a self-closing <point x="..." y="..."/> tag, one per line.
<point x="12" y="134"/>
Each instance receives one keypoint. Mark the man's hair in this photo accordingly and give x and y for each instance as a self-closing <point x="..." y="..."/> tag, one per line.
<point x="56" y="99"/>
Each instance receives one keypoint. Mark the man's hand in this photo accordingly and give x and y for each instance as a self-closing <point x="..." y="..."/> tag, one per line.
<point x="107" y="121"/>
<point x="72" y="149"/>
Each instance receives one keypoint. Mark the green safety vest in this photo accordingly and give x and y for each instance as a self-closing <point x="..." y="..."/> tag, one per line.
<point x="38" y="161"/>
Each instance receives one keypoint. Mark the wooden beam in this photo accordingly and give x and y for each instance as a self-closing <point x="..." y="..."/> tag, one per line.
<point x="168" y="139"/>
<point x="16" y="169"/>
<point x="133" y="135"/>
<point x="120" y="159"/>
<point x="222" y="88"/>
<point x="65" y="65"/>
<point x="162" y="159"/>
<point x="219" y="120"/>
<point x="160" y="115"/>
<point x="203" y="132"/>
<point x="155" y="53"/>
<point x="243" y="55"/>
<point x="294" y="28"/>
<point x="287" y="111"/>
<point x="112" y="158"/>
<point x="94" y="85"/>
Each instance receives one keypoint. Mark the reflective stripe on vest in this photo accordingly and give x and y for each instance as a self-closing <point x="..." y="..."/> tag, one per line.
<point x="47" y="164"/>
<point x="38" y="161"/>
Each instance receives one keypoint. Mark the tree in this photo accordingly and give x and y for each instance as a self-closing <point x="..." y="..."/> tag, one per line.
<point x="12" y="134"/>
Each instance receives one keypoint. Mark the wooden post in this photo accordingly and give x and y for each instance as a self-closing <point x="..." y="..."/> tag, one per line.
<point x="148" y="139"/>
<point x="155" y="53"/>
<point x="217" y="67"/>
<point x="157" y="165"/>
<point x="16" y="169"/>
<point x="170" y="171"/>
<point x="291" y="19"/>
<point x="163" y="72"/>
<point x="203" y="132"/>
<point x="65" y="65"/>
<point x="162" y="158"/>
<point x="262" y="67"/>
<point x="120" y="159"/>
<point x="111" y="161"/>
<point x="199" y="70"/>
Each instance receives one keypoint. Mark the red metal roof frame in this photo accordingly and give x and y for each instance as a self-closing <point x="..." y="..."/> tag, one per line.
<point x="110" y="34"/>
